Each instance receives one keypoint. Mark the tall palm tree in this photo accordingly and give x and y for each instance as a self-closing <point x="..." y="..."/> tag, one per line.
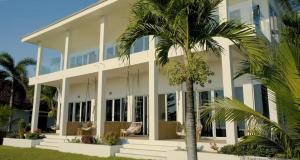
<point x="48" y="94"/>
<point x="16" y="74"/>
<point x="189" y="25"/>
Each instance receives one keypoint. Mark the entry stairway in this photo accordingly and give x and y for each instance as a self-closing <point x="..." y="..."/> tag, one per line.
<point x="51" y="142"/>
<point x="146" y="149"/>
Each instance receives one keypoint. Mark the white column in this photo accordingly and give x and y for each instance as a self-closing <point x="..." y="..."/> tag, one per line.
<point x="58" y="107"/>
<point x="180" y="106"/>
<point x="231" y="129"/>
<point x="214" y="127"/>
<point x="102" y="39"/>
<point x="39" y="60"/>
<point x="153" y="96"/>
<point x="130" y="109"/>
<point x="64" y="107"/>
<point x="35" y="107"/>
<point x="67" y="50"/>
<point x="101" y="105"/>
<point x="272" y="106"/>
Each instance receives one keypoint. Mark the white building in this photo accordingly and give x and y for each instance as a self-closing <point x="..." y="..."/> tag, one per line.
<point x="94" y="85"/>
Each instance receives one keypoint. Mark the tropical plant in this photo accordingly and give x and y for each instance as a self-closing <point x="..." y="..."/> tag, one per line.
<point x="280" y="72"/>
<point x="48" y="94"/>
<point x="190" y="25"/>
<point x="16" y="74"/>
<point x="5" y="112"/>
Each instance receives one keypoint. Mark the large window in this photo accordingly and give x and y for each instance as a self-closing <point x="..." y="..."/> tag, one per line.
<point x="116" y="110"/>
<point x="79" y="111"/>
<point x="220" y="124"/>
<point x="261" y="99"/>
<point x="204" y="99"/>
<point x="167" y="106"/>
<point x="110" y="51"/>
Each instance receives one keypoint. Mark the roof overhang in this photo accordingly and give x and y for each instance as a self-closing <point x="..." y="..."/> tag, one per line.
<point x="94" y="11"/>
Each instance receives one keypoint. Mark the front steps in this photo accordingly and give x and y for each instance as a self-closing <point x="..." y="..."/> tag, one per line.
<point x="51" y="142"/>
<point x="145" y="149"/>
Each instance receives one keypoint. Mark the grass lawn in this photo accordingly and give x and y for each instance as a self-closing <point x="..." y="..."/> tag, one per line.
<point x="11" y="153"/>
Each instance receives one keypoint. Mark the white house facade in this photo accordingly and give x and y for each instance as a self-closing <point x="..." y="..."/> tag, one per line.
<point x="95" y="85"/>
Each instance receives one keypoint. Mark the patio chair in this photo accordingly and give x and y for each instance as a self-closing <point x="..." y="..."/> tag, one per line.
<point x="180" y="131"/>
<point x="85" y="128"/>
<point x="134" y="128"/>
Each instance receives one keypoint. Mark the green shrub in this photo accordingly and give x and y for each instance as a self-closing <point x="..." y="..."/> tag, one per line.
<point x="34" y="135"/>
<point x="74" y="140"/>
<point x="249" y="150"/>
<point x="22" y="125"/>
<point x="110" y="138"/>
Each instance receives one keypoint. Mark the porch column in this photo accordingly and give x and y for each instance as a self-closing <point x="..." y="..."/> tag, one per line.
<point x="153" y="96"/>
<point x="214" y="127"/>
<point x="272" y="106"/>
<point x="130" y="109"/>
<point x="39" y="60"/>
<point x="58" y="107"/>
<point x="64" y="107"/>
<point x="36" y="107"/>
<point x="180" y="106"/>
<point x="101" y="103"/>
<point x="67" y="50"/>
<point x="101" y="106"/>
<point x="231" y="127"/>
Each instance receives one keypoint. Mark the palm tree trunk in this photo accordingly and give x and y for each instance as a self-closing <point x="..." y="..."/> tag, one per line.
<point x="190" y="122"/>
<point x="11" y="101"/>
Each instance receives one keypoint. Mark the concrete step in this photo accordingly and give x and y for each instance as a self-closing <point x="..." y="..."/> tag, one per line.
<point x="150" y="147"/>
<point x="52" y="140"/>
<point x="138" y="156"/>
<point x="47" y="147"/>
<point x="152" y="142"/>
<point x="143" y="152"/>
<point x="49" y="144"/>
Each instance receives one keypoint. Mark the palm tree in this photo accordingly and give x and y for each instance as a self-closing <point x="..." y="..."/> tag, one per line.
<point x="189" y="25"/>
<point x="16" y="74"/>
<point x="47" y="95"/>
<point x="281" y="73"/>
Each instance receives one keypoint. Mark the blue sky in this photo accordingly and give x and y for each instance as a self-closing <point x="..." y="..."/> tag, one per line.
<point x="20" y="17"/>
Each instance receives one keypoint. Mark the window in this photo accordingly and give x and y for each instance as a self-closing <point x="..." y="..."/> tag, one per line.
<point x="79" y="111"/>
<point x="261" y="100"/>
<point x="70" y="112"/>
<point x="88" y="111"/>
<point x="171" y="107"/>
<point x="83" y="112"/>
<point x="239" y="95"/>
<point x="141" y="44"/>
<point x="235" y="15"/>
<point x="204" y="99"/>
<point x="109" y="110"/>
<point x="220" y="125"/>
<point x="116" y="110"/>
<point x="167" y="106"/>
<point x="124" y="110"/>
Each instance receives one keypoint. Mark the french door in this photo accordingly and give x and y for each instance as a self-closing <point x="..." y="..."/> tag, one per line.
<point x="142" y="112"/>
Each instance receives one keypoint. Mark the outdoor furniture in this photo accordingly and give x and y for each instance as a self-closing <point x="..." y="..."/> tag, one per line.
<point x="86" y="128"/>
<point x="134" y="128"/>
<point x="180" y="131"/>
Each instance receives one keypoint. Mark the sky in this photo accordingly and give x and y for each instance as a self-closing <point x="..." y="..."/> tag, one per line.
<point x="21" y="17"/>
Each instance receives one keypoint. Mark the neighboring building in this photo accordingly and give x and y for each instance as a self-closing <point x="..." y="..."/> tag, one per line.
<point x="94" y="85"/>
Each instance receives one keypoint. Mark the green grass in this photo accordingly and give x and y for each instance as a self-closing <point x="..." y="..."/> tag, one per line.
<point x="12" y="153"/>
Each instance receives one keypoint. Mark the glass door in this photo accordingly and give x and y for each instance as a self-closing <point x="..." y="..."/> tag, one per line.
<point x="141" y="112"/>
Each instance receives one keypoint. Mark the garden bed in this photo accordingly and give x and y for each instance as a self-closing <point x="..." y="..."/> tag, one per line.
<point x="90" y="149"/>
<point x="182" y="155"/>
<point x="23" y="143"/>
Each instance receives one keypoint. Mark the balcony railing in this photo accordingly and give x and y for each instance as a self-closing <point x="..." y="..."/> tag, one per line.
<point x="83" y="58"/>
<point x="141" y="44"/>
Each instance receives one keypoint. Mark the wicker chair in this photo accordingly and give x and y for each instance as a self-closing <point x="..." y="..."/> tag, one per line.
<point x="134" y="128"/>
